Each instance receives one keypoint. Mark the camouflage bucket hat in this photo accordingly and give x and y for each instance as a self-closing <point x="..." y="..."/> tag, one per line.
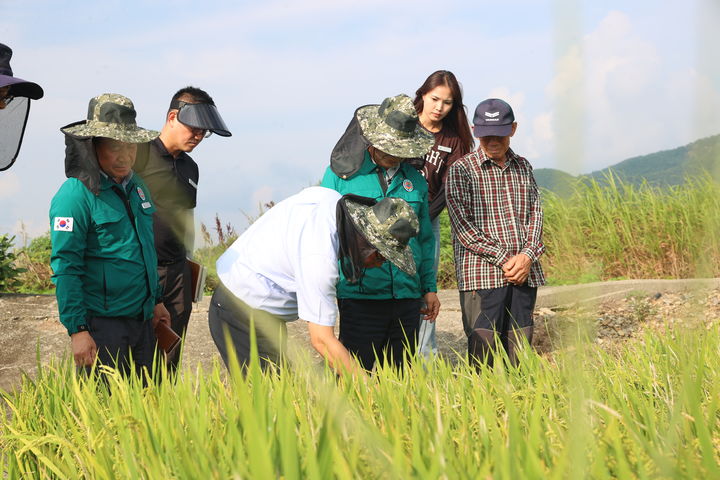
<point x="388" y="226"/>
<point x="112" y="116"/>
<point x="392" y="127"/>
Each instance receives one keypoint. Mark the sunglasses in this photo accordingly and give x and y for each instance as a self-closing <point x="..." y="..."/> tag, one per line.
<point x="202" y="132"/>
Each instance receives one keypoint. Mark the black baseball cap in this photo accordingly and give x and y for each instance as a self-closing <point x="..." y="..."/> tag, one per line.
<point x="493" y="118"/>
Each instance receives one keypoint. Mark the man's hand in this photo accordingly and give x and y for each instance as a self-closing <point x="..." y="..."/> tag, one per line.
<point x="83" y="348"/>
<point x="432" y="306"/>
<point x="517" y="269"/>
<point x="160" y="314"/>
<point x="322" y="338"/>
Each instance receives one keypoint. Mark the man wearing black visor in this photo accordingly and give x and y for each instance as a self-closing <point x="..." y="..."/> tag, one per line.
<point x="172" y="177"/>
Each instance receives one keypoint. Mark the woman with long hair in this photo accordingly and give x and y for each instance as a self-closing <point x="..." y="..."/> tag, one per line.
<point x="440" y="109"/>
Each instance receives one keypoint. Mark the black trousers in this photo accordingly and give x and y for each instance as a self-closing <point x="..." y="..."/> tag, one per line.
<point x="229" y="319"/>
<point x="386" y="328"/>
<point x="176" y="282"/>
<point x="504" y="313"/>
<point x="123" y="341"/>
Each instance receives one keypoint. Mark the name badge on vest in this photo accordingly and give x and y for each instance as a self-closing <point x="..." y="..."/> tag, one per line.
<point x="443" y="148"/>
<point x="145" y="204"/>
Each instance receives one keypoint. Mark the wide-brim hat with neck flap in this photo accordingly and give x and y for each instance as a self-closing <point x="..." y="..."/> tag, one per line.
<point x="111" y="116"/>
<point x="18" y="86"/>
<point x="388" y="226"/>
<point x="393" y="128"/>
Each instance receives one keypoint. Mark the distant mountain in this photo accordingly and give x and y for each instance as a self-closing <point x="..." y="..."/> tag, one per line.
<point x="554" y="180"/>
<point x="664" y="168"/>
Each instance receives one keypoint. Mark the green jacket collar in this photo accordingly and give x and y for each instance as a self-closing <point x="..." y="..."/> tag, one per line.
<point x="106" y="183"/>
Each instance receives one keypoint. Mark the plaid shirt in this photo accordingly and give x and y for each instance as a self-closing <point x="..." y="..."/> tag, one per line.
<point x="495" y="213"/>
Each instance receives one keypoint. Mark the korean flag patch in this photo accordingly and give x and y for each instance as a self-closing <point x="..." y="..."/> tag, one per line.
<point x="63" y="224"/>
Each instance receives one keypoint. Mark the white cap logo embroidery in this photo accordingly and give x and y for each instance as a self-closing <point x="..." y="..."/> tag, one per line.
<point x="492" y="115"/>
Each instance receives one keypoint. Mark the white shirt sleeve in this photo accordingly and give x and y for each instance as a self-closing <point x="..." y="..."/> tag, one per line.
<point x="316" y="279"/>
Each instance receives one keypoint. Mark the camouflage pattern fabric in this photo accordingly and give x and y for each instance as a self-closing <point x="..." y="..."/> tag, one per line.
<point x="392" y="127"/>
<point x="112" y="116"/>
<point x="388" y="226"/>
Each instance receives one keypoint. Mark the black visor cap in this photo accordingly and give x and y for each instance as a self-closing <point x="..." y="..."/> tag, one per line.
<point x="204" y="116"/>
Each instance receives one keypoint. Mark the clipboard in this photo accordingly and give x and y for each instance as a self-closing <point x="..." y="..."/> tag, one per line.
<point x="198" y="273"/>
<point x="167" y="339"/>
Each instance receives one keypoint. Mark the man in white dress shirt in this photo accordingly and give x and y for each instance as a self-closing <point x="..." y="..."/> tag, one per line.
<point x="285" y="267"/>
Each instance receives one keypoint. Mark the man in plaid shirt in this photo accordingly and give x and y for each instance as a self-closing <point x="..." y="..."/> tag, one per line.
<point x="497" y="222"/>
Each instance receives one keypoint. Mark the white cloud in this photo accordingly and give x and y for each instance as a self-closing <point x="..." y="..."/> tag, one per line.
<point x="705" y="105"/>
<point x="515" y="99"/>
<point x="535" y="140"/>
<point x="9" y="184"/>
<point x="610" y="98"/>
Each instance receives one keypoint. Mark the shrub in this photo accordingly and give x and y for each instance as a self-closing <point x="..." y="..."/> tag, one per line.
<point x="35" y="260"/>
<point x="9" y="271"/>
<point x="212" y="250"/>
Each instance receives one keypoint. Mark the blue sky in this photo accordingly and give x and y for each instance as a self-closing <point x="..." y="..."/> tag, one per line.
<point x="592" y="83"/>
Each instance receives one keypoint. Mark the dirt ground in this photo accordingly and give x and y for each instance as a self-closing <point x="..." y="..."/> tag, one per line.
<point x="30" y="328"/>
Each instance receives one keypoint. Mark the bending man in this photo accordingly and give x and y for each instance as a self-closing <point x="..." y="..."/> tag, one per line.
<point x="286" y="266"/>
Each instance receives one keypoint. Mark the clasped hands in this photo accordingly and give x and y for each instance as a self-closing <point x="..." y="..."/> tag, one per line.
<point x="517" y="269"/>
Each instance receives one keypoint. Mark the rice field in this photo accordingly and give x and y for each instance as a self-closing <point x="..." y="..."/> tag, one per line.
<point x="614" y="230"/>
<point x="650" y="409"/>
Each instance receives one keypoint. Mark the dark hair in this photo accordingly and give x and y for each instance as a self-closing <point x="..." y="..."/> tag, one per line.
<point x="195" y="95"/>
<point x="456" y="119"/>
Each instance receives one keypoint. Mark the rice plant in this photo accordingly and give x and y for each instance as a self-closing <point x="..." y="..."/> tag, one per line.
<point x="650" y="409"/>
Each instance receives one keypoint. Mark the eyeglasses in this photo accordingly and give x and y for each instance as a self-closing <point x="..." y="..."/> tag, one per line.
<point x="6" y="100"/>
<point x="199" y="131"/>
<point x="196" y="131"/>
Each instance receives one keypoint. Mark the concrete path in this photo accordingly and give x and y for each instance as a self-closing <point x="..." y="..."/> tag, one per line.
<point x="551" y="297"/>
<point x="587" y="293"/>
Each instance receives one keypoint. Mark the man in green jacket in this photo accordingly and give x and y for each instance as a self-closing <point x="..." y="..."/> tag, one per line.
<point x="103" y="254"/>
<point x="378" y="314"/>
